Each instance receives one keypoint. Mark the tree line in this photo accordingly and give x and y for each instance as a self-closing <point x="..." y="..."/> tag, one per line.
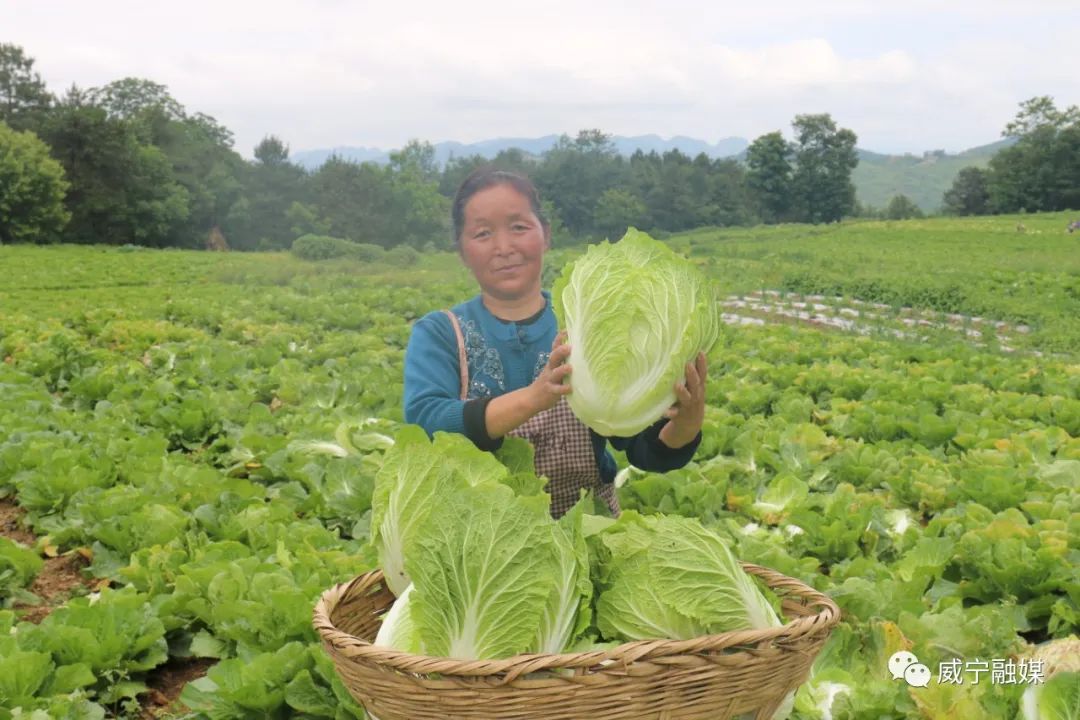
<point x="126" y="163"/>
<point x="1040" y="172"/>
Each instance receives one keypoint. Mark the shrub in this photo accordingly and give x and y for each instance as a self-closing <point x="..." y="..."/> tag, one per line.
<point x="366" y="252"/>
<point x="402" y="256"/>
<point x="322" y="247"/>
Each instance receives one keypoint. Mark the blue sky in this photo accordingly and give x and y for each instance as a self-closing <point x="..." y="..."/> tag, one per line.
<point x="319" y="73"/>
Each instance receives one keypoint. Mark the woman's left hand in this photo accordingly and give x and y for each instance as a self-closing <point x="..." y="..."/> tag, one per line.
<point x="686" y="416"/>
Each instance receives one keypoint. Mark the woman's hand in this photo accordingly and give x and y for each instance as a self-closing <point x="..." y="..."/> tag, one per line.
<point x="549" y="386"/>
<point x="688" y="413"/>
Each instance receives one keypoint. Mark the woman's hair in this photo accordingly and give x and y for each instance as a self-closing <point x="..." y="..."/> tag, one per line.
<point x="487" y="176"/>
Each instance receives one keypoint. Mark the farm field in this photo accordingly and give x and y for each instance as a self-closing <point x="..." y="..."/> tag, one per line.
<point x="1023" y="270"/>
<point x="188" y="443"/>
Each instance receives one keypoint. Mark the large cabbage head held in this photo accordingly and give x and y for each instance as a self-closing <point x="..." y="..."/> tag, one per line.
<point x="635" y="313"/>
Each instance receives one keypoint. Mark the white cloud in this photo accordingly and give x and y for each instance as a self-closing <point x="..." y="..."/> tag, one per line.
<point x="332" y="72"/>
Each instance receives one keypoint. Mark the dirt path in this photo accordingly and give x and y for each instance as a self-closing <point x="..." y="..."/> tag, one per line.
<point x="59" y="578"/>
<point x="166" y="682"/>
<point x="10" y="525"/>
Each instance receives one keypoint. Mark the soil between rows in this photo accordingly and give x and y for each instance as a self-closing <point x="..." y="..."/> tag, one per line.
<point x="59" y="580"/>
<point x="60" y="577"/>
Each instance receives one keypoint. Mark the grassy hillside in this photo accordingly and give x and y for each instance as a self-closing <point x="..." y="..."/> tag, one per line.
<point x="923" y="179"/>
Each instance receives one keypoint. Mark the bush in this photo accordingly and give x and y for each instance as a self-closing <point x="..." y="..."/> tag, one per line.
<point x="366" y="252"/>
<point x="402" y="256"/>
<point x="322" y="247"/>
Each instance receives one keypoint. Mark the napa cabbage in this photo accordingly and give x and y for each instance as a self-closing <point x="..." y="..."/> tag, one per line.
<point x="1058" y="698"/>
<point x="492" y="575"/>
<point x="417" y="473"/>
<point x="635" y="313"/>
<point x="670" y="577"/>
<point x="414" y="474"/>
<point x="467" y="543"/>
<point x="398" y="630"/>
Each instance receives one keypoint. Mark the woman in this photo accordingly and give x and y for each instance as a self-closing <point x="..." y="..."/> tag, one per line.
<point x="495" y="365"/>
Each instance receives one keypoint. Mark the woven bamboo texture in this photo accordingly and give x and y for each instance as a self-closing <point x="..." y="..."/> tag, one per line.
<point x="714" y="677"/>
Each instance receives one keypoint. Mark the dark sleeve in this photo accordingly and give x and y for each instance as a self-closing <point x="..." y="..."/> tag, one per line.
<point x="474" y="415"/>
<point x="646" y="451"/>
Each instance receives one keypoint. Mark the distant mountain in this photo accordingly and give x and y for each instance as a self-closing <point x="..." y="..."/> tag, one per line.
<point x="313" y="159"/>
<point x="726" y="147"/>
<point x="878" y="177"/>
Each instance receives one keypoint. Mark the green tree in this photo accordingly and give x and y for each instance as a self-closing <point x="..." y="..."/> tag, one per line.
<point x="214" y="131"/>
<point x="1039" y="113"/>
<point x="576" y="172"/>
<point x="669" y="194"/>
<point x="616" y="210"/>
<point x="121" y="190"/>
<point x="969" y="194"/>
<point x="23" y="96"/>
<point x="271" y="151"/>
<point x="304" y="220"/>
<point x="1041" y="172"/>
<point x="456" y="169"/>
<point x="769" y="176"/>
<point x="202" y="162"/>
<point x="356" y="200"/>
<point x="266" y="214"/>
<point x="130" y="97"/>
<point x="197" y="147"/>
<point x="416" y="158"/>
<point x="681" y="193"/>
<point x="32" y="188"/>
<point x="867" y="212"/>
<point x="901" y="207"/>
<point x="824" y="160"/>
<point x="418" y="212"/>
<point x="731" y="199"/>
<point x="554" y="221"/>
<point x="657" y="180"/>
<point x="514" y="160"/>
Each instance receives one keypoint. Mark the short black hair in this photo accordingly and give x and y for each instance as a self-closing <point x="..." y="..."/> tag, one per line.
<point x="487" y="176"/>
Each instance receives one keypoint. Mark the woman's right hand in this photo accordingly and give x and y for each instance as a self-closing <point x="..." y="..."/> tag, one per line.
<point x="552" y="383"/>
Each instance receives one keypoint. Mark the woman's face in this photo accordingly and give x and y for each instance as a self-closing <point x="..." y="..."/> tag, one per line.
<point x="503" y="242"/>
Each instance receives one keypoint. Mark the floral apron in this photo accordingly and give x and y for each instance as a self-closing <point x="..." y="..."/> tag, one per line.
<point x="562" y="444"/>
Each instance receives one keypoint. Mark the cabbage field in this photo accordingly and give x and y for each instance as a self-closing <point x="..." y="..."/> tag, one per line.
<point x="189" y="441"/>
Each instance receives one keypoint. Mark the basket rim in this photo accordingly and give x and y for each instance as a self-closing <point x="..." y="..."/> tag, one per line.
<point x="354" y="648"/>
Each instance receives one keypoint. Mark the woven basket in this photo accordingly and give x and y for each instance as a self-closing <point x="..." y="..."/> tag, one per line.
<point x="714" y="677"/>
